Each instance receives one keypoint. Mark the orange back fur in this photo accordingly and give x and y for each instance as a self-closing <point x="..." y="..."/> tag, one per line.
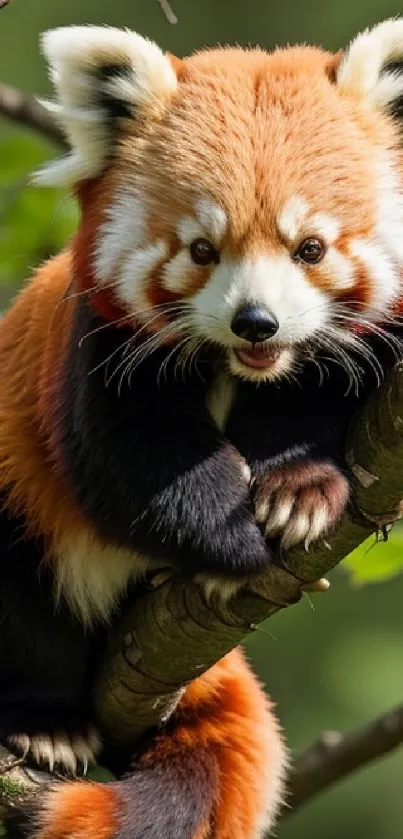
<point x="33" y="338"/>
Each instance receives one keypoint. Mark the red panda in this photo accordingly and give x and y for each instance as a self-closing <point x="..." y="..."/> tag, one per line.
<point x="176" y="387"/>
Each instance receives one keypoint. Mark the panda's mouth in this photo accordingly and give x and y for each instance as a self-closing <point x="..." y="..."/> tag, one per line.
<point x="262" y="362"/>
<point x="259" y="357"/>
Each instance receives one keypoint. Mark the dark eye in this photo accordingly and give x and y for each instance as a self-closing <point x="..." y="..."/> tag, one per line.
<point x="310" y="251"/>
<point x="203" y="252"/>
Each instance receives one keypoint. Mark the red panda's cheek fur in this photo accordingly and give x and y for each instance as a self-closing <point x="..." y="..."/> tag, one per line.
<point x="327" y="275"/>
<point x="94" y="197"/>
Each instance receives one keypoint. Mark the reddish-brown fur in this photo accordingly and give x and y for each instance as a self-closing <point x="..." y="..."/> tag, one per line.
<point x="32" y="346"/>
<point x="86" y="810"/>
<point x="223" y="713"/>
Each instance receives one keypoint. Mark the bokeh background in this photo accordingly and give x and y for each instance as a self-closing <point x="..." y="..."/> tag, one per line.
<point x="335" y="661"/>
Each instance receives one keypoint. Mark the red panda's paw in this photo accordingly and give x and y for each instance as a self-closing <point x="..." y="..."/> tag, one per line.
<point x="67" y="751"/>
<point x="300" y="501"/>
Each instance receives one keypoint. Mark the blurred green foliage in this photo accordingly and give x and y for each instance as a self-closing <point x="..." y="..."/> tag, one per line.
<point x="34" y="224"/>
<point x="337" y="659"/>
<point x="369" y="564"/>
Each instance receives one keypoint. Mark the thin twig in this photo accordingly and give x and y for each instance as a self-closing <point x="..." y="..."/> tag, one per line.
<point x="167" y="11"/>
<point x="335" y="756"/>
<point x="25" y="109"/>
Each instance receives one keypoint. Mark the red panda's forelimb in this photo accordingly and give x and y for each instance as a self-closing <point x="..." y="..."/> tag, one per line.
<point x="214" y="773"/>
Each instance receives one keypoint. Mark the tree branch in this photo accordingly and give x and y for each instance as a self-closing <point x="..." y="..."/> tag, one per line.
<point x="335" y="756"/>
<point x="25" y="109"/>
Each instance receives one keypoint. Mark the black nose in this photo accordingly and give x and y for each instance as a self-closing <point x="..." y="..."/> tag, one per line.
<point x="254" y="324"/>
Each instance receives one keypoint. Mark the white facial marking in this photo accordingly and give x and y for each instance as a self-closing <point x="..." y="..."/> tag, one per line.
<point x="340" y="269"/>
<point x="123" y="258"/>
<point x="323" y="225"/>
<point x="382" y="274"/>
<point x="135" y="273"/>
<point x="294" y="222"/>
<point x="389" y="227"/>
<point x="272" y="282"/>
<point x="292" y="217"/>
<point x="176" y="272"/>
<point x="212" y="217"/>
<point x="123" y="230"/>
<point x="189" y="229"/>
<point x="382" y="255"/>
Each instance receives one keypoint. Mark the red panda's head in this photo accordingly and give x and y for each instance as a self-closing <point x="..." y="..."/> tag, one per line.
<point x="250" y="200"/>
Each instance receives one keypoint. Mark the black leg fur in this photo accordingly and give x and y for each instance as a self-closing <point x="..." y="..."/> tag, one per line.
<point x="46" y="658"/>
<point x="178" y="483"/>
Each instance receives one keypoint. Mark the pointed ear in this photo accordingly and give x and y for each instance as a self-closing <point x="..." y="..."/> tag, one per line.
<point x="372" y="67"/>
<point x="100" y="74"/>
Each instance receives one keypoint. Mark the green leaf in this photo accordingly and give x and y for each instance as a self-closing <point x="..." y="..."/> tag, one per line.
<point x="374" y="562"/>
<point x="100" y="773"/>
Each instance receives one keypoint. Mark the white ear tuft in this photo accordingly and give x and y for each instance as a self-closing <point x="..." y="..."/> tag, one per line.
<point x="373" y="65"/>
<point x="100" y="74"/>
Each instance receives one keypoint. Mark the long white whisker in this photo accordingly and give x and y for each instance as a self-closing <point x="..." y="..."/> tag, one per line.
<point x="340" y="356"/>
<point x="125" y="348"/>
<point x="392" y="341"/>
<point x="100" y="329"/>
<point x="189" y="355"/>
<point x="155" y="342"/>
<point x="140" y="353"/>
<point x="109" y="357"/>
<point x="163" y="367"/>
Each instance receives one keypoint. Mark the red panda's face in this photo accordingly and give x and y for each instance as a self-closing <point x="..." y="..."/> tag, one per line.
<point x="259" y="209"/>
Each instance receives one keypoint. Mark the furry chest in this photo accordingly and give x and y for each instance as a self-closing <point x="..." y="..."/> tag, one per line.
<point x="221" y="398"/>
